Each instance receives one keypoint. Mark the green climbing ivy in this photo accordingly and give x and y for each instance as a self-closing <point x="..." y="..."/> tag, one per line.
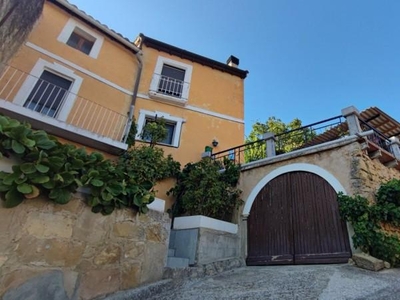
<point x="48" y="167"/>
<point x="368" y="219"/>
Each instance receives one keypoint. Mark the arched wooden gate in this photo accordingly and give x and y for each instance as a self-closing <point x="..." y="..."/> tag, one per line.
<point x="295" y="220"/>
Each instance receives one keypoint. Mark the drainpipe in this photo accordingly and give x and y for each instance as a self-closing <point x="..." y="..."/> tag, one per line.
<point x="134" y="95"/>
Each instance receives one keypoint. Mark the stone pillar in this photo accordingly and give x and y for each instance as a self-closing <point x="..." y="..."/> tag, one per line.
<point x="395" y="147"/>
<point x="351" y="114"/>
<point x="270" y="143"/>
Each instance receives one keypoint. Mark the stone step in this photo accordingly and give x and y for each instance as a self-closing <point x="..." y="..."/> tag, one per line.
<point x="177" y="262"/>
<point x="171" y="252"/>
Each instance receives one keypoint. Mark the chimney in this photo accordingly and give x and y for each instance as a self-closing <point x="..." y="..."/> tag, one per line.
<point x="233" y="61"/>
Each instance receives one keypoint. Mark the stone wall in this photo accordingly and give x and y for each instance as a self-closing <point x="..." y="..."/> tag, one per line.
<point x="348" y="163"/>
<point x="344" y="160"/>
<point x="92" y="254"/>
<point x="17" y="18"/>
<point x="204" y="246"/>
<point x="214" y="245"/>
<point x="336" y="160"/>
<point x="367" y="175"/>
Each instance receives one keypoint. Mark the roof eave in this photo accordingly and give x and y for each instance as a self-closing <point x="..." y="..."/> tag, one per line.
<point x="96" y="24"/>
<point x="160" y="46"/>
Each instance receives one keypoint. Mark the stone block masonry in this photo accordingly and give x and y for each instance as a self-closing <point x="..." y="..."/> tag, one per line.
<point x="368" y="174"/>
<point x="86" y="255"/>
<point x="17" y="18"/>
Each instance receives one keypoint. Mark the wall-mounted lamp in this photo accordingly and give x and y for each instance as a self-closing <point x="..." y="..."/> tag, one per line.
<point x="215" y="143"/>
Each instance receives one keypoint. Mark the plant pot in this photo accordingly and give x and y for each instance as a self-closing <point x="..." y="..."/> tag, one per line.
<point x="204" y="222"/>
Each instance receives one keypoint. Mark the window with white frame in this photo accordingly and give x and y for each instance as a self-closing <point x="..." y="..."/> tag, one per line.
<point x="48" y="94"/>
<point x="172" y="124"/>
<point x="169" y="126"/>
<point x="171" y="80"/>
<point x="50" y="89"/>
<point x="84" y="39"/>
<point x="81" y="41"/>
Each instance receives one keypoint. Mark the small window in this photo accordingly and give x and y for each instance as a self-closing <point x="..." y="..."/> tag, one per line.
<point x="81" y="41"/>
<point x="78" y="36"/>
<point x="171" y="81"/>
<point x="173" y="125"/>
<point x="48" y="94"/>
<point x="170" y="132"/>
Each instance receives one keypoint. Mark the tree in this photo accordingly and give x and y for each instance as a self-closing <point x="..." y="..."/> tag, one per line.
<point x="289" y="137"/>
<point x="154" y="131"/>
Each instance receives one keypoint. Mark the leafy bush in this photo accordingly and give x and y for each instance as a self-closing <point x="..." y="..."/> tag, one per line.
<point x="129" y="182"/>
<point x="56" y="170"/>
<point x="389" y="192"/>
<point x="204" y="189"/>
<point x="154" y="131"/>
<point x="368" y="219"/>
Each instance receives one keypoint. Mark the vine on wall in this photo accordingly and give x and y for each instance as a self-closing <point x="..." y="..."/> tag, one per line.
<point x="370" y="219"/>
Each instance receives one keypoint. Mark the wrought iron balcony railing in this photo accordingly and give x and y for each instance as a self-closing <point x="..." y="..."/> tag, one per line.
<point x="378" y="138"/>
<point x="299" y="138"/>
<point x="169" y="86"/>
<point x="29" y="95"/>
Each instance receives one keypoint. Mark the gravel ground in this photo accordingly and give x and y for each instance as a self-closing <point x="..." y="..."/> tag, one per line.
<point x="290" y="282"/>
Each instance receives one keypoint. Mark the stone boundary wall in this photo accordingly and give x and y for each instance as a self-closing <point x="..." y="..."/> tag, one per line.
<point x="368" y="174"/>
<point x="204" y="246"/>
<point x="215" y="245"/>
<point x="347" y="162"/>
<point x="92" y="254"/>
<point x="338" y="161"/>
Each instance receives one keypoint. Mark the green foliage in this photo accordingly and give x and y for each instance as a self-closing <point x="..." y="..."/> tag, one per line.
<point x="149" y="164"/>
<point x="130" y="181"/>
<point x="154" y="131"/>
<point x="46" y="167"/>
<point x="287" y="143"/>
<point x="130" y="140"/>
<point x="367" y="220"/>
<point x="56" y="170"/>
<point x="203" y="188"/>
<point x="352" y="209"/>
<point x="390" y="192"/>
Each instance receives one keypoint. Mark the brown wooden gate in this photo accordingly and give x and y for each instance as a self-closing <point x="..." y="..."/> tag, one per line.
<point x="295" y="220"/>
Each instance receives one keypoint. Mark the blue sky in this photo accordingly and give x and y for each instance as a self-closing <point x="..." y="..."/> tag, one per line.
<point x="307" y="59"/>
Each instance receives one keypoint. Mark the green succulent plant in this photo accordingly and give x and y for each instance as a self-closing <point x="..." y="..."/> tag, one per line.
<point x="48" y="167"/>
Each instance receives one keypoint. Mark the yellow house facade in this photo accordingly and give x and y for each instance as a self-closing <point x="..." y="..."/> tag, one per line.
<point x="201" y="100"/>
<point x="82" y="82"/>
<point x="74" y="78"/>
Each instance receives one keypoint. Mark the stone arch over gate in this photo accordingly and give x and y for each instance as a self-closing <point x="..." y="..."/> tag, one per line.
<point x="336" y="185"/>
<point x="256" y="255"/>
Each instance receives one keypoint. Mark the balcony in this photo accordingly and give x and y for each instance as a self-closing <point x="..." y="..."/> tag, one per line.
<point x="51" y="107"/>
<point x="169" y="89"/>
<point x="373" y="129"/>
<point x="289" y="141"/>
<point x="378" y="146"/>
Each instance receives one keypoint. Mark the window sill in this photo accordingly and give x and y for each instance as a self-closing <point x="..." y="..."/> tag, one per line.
<point x="166" y="98"/>
<point x="158" y="144"/>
